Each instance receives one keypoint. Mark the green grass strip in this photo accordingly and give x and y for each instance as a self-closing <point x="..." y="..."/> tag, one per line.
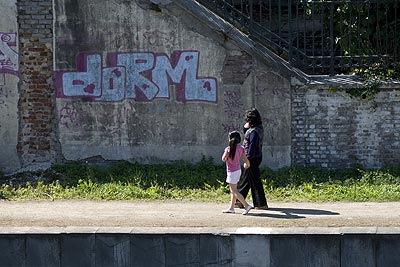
<point x="202" y="181"/>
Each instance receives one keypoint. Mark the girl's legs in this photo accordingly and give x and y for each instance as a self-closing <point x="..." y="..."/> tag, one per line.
<point x="233" y="201"/>
<point x="236" y="195"/>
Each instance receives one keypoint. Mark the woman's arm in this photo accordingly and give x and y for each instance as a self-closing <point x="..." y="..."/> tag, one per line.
<point x="253" y="145"/>
<point x="246" y="127"/>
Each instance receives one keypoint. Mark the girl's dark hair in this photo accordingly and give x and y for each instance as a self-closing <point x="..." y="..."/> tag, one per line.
<point x="253" y="117"/>
<point x="234" y="139"/>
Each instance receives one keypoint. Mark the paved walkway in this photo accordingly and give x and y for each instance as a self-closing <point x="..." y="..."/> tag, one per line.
<point x="195" y="214"/>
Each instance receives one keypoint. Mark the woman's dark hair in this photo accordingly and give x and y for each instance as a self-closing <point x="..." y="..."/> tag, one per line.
<point x="253" y="117"/>
<point x="234" y="139"/>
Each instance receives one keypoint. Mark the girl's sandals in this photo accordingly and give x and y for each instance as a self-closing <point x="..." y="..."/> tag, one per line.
<point x="228" y="211"/>
<point x="249" y="207"/>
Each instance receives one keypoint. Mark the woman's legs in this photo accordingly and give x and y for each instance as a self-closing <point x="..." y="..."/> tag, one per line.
<point x="254" y="180"/>
<point x="244" y="184"/>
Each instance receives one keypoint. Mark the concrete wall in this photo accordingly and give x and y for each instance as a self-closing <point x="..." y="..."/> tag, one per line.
<point x="9" y="70"/>
<point x="152" y="83"/>
<point x="157" y="81"/>
<point x="258" y="247"/>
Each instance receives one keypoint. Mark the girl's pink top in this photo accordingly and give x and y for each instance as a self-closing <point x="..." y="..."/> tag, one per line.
<point x="234" y="164"/>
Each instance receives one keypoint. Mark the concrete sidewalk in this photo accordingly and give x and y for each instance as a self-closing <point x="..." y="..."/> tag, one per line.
<point x="177" y="233"/>
<point x="195" y="214"/>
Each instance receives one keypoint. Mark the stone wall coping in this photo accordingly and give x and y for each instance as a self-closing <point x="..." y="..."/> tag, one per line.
<point x="201" y="230"/>
<point x="344" y="81"/>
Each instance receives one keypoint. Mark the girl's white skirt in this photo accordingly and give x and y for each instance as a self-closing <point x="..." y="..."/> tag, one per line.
<point x="233" y="177"/>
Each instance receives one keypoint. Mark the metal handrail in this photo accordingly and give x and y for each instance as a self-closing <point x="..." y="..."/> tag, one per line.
<point x="319" y="37"/>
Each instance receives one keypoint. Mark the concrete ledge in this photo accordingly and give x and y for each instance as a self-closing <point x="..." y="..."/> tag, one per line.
<point x="199" y="246"/>
<point x="203" y="230"/>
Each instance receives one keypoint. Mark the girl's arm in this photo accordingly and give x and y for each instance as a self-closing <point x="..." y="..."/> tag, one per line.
<point x="225" y="156"/>
<point x="246" y="164"/>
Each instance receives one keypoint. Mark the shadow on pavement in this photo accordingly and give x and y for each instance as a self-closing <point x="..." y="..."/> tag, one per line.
<point x="291" y="213"/>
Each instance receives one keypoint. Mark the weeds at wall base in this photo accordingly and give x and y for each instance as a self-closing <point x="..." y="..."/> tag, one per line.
<point x="202" y="181"/>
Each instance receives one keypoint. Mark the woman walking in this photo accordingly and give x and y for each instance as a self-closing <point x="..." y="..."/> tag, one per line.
<point x="253" y="141"/>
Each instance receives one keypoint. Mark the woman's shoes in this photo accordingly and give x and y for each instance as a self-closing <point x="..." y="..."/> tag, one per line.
<point x="249" y="207"/>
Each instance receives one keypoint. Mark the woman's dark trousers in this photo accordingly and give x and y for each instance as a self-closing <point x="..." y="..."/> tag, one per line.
<point x="252" y="181"/>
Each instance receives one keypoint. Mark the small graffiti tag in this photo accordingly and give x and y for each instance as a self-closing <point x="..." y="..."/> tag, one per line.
<point x="8" y="56"/>
<point x="234" y="110"/>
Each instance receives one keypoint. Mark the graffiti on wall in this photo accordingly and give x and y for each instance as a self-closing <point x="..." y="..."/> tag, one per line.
<point x="142" y="76"/>
<point x="234" y="110"/>
<point x="8" y="56"/>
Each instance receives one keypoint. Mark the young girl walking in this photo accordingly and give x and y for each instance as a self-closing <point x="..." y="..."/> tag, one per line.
<point x="231" y="156"/>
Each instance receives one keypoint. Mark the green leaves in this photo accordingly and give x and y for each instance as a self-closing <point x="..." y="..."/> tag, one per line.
<point x="202" y="181"/>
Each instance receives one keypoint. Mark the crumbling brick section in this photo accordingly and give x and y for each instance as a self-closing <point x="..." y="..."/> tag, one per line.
<point x="237" y="68"/>
<point x="36" y="104"/>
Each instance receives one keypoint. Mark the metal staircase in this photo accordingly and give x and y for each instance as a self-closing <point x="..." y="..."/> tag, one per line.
<point x="319" y="37"/>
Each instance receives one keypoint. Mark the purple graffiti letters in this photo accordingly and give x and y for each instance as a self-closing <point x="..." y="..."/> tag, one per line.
<point x="142" y="76"/>
<point x="8" y="56"/>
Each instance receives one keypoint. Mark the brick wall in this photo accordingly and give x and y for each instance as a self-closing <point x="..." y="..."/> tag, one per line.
<point x="331" y="129"/>
<point x="36" y="104"/>
<point x="237" y="68"/>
